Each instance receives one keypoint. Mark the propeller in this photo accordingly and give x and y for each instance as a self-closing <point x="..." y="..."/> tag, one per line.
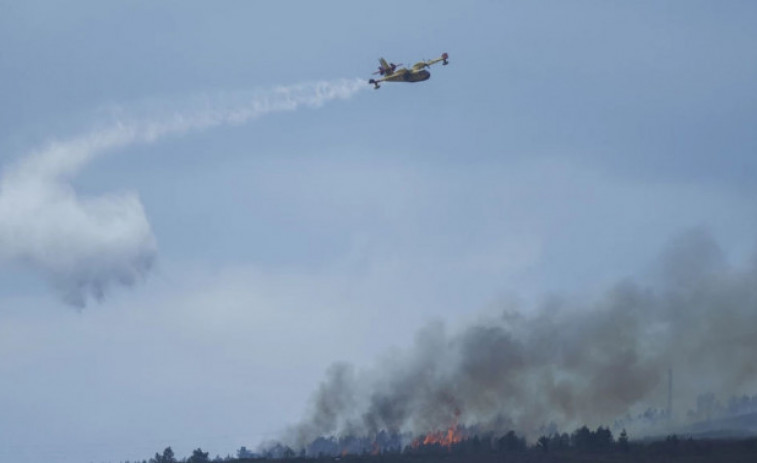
<point x="392" y="67"/>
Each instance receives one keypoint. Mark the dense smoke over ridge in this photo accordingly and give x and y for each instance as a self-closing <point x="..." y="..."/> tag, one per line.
<point x="84" y="245"/>
<point x="564" y="363"/>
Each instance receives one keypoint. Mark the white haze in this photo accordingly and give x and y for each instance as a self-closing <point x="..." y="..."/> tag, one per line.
<point x="83" y="245"/>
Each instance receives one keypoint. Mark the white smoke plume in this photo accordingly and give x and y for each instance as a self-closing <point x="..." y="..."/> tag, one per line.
<point x="83" y="245"/>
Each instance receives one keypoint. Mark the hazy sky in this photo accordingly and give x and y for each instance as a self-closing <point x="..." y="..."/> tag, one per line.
<point x="185" y="246"/>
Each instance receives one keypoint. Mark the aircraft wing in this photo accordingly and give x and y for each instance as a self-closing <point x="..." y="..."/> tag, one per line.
<point x="425" y="64"/>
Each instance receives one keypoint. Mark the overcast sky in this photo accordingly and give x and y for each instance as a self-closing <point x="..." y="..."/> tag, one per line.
<point x="192" y="229"/>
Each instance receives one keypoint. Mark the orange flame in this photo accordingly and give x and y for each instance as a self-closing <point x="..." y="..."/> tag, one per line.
<point x="447" y="438"/>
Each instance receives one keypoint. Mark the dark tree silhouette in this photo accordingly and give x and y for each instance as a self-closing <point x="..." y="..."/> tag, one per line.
<point x="581" y="438"/>
<point x="510" y="442"/>
<point x="543" y="443"/>
<point x="244" y="453"/>
<point x="623" y="444"/>
<point x="167" y="457"/>
<point x="475" y="445"/>
<point x="198" y="456"/>
<point x="559" y="441"/>
<point x="602" y="439"/>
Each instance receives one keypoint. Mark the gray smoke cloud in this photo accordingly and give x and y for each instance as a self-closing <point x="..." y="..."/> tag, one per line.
<point x="84" y="245"/>
<point x="565" y="363"/>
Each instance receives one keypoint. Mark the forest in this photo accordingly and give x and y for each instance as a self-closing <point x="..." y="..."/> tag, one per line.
<point x="583" y="444"/>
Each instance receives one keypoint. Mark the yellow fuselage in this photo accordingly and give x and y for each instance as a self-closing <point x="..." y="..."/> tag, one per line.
<point x="408" y="75"/>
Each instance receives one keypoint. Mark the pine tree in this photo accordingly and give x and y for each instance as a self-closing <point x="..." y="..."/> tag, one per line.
<point x="198" y="456"/>
<point x="623" y="444"/>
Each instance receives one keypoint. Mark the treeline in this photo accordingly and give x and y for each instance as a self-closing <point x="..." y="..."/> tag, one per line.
<point x="198" y="456"/>
<point x="583" y="444"/>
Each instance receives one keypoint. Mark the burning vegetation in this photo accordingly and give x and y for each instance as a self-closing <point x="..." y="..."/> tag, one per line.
<point x="448" y="438"/>
<point x="561" y="365"/>
<point x="508" y="384"/>
<point x="583" y="444"/>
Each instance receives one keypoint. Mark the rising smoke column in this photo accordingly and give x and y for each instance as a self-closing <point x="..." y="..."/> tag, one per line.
<point x="566" y="362"/>
<point x="84" y="245"/>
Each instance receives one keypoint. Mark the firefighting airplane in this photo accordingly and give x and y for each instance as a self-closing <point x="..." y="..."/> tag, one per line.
<point x="417" y="73"/>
